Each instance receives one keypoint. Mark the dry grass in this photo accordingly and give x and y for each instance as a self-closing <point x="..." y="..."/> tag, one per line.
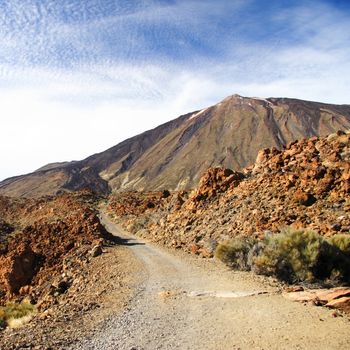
<point x="234" y="252"/>
<point x="16" y="315"/>
<point x="19" y="322"/>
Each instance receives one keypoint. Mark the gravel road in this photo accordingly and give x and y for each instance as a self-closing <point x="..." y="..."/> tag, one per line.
<point x="183" y="302"/>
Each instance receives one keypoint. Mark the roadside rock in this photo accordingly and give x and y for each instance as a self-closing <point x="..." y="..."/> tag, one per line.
<point x="96" y="251"/>
<point x="336" y="298"/>
<point x="342" y="304"/>
<point x="42" y="258"/>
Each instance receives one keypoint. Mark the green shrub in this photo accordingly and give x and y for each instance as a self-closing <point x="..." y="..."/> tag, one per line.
<point x="292" y="255"/>
<point x="235" y="252"/>
<point x="338" y="258"/>
<point x="342" y="242"/>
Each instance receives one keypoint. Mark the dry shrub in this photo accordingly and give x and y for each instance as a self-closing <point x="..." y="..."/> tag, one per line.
<point x="19" y="322"/>
<point x="235" y="252"/>
<point x="292" y="255"/>
<point x="138" y="224"/>
<point x="338" y="258"/>
<point x="342" y="242"/>
<point x="16" y="315"/>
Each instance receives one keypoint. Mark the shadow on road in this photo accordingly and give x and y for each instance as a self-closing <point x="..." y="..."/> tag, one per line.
<point x="126" y="241"/>
<point x="113" y="238"/>
<point x="120" y="240"/>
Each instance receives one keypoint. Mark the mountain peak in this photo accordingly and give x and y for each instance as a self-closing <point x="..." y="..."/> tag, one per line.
<point x="174" y="155"/>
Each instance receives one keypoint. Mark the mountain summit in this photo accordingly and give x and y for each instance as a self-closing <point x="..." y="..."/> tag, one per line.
<point x="175" y="154"/>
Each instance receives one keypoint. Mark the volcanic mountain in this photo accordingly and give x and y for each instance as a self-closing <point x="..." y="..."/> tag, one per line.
<point x="175" y="154"/>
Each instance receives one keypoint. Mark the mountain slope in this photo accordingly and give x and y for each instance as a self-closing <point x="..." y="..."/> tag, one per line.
<point x="175" y="154"/>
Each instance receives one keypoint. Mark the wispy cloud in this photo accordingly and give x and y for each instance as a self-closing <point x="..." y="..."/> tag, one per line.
<point x="105" y="70"/>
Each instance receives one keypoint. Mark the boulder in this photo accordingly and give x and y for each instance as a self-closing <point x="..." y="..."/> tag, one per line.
<point x="17" y="268"/>
<point x="304" y="198"/>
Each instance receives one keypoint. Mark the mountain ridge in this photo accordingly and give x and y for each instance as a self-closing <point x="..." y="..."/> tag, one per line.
<point x="175" y="154"/>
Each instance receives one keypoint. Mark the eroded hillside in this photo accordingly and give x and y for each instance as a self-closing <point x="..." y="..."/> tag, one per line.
<point x="174" y="155"/>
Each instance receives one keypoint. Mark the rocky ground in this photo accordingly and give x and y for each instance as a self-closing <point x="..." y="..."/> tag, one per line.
<point x="104" y="287"/>
<point x="306" y="185"/>
<point x="52" y="239"/>
<point x="57" y="254"/>
<point x="184" y="302"/>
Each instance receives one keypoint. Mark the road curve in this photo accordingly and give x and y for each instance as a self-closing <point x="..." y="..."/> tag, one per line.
<point x="185" y="303"/>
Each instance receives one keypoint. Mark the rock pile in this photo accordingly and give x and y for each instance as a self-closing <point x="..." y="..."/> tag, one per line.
<point x="305" y="185"/>
<point x="44" y="257"/>
<point x="135" y="203"/>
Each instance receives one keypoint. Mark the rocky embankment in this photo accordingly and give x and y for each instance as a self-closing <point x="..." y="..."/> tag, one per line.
<point x="57" y="255"/>
<point x="41" y="258"/>
<point x="305" y="185"/>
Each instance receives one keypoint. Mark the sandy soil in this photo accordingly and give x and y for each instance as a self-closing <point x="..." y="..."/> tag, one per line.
<point x="183" y="302"/>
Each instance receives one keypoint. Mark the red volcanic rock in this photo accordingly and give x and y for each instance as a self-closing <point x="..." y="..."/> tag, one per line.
<point x="304" y="186"/>
<point x="17" y="268"/>
<point x="335" y="298"/>
<point x="136" y="203"/>
<point x="51" y="242"/>
<point x="216" y="180"/>
<point x="304" y="198"/>
<point x="341" y="304"/>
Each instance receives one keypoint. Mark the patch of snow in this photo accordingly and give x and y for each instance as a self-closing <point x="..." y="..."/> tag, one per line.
<point x="280" y="137"/>
<point x="261" y="99"/>
<point x="197" y="114"/>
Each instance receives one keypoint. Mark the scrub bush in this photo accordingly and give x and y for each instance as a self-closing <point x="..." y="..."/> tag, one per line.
<point x="234" y="252"/>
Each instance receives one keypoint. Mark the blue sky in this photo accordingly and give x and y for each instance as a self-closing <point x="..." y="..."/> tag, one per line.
<point x="77" y="77"/>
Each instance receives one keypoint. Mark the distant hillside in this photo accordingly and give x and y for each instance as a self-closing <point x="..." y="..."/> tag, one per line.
<point x="175" y="154"/>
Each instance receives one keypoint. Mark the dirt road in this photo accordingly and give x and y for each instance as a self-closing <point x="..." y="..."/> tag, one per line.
<point x="188" y="303"/>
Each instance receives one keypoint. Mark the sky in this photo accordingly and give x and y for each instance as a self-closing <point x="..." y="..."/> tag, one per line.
<point x="79" y="76"/>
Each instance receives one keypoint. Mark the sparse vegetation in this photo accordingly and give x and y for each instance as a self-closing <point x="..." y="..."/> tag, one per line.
<point x="338" y="258"/>
<point x="235" y="252"/>
<point x="342" y="242"/>
<point x="292" y="256"/>
<point x="138" y="225"/>
<point x="16" y="315"/>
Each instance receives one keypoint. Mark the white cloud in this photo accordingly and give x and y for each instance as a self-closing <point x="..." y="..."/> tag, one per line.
<point x="50" y="113"/>
<point x="38" y="126"/>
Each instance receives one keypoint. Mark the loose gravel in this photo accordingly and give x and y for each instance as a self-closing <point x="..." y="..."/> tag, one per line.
<point x="184" y="302"/>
